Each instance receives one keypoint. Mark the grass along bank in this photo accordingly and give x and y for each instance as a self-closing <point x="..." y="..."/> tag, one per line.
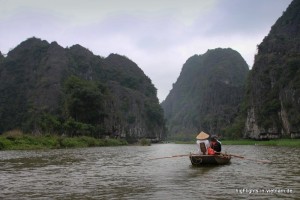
<point x="275" y="142"/>
<point x="16" y="140"/>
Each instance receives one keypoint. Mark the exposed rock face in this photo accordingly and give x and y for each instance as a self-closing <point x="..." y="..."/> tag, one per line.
<point x="274" y="82"/>
<point x="32" y="84"/>
<point x="207" y="93"/>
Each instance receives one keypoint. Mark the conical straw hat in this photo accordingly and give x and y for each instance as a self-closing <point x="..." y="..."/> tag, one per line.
<point x="202" y="136"/>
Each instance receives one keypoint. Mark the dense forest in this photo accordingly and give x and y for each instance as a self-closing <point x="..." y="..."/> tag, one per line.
<point x="46" y="88"/>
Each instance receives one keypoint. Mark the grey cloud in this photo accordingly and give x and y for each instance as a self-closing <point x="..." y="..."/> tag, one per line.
<point x="242" y="16"/>
<point x="159" y="38"/>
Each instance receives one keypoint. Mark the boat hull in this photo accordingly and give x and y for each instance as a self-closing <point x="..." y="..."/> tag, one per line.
<point x="200" y="160"/>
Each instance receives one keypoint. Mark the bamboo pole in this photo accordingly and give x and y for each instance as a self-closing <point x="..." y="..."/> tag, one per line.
<point x="175" y="156"/>
<point x="233" y="155"/>
<point x="242" y="157"/>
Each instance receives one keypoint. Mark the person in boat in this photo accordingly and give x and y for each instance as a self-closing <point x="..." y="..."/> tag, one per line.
<point x="202" y="143"/>
<point x="215" y="144"/>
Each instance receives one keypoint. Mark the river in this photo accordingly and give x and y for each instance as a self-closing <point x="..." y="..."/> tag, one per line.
<point x="125" y="172"/>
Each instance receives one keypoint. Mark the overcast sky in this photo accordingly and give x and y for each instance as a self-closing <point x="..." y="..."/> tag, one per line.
<point x="158" y="35"/>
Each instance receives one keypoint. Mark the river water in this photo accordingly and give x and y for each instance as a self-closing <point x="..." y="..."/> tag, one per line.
<point x="126" y="172"/>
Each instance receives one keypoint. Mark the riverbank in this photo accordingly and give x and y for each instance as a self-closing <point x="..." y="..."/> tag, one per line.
<point x="277" y="142"/>
<point x="19" y="141"/>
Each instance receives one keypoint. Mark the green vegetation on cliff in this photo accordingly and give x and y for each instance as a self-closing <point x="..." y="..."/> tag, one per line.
<point x="48" y="89"/>
<point x="206" y="95"/>
<point x="273" y="92"/>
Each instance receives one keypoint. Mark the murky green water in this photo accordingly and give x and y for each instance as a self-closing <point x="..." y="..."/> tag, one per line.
<point x="127" y="173"/>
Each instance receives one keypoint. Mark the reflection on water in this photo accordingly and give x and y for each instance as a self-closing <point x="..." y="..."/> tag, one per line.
<point x="127" y="173"/>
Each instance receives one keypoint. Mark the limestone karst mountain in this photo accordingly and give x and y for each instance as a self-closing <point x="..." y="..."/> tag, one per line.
<point x="47" y="88"/>
<point x="273" y="92"/>
<point x="207" y="93"/>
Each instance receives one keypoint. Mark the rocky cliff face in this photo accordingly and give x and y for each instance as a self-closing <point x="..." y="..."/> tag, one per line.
<point x="274" y="82"/>
<point x="207" y="93"/>
<point x="33" y="80"/>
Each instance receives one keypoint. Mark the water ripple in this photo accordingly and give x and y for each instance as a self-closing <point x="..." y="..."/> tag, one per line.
<point x="127" y="173"/>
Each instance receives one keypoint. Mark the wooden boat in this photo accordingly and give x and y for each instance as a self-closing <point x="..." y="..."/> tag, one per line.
<point x="200" y="160"/>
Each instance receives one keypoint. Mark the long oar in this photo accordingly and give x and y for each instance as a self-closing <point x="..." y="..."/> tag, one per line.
<point x="242" y="157"/>
<point x="175" y="156"/>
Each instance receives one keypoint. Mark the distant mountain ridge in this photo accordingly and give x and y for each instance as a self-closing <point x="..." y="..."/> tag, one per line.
<point x="47" y="88"/>
<point x="207" y="93"/>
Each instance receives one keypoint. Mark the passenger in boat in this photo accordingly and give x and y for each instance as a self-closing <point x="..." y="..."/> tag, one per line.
<point x="215" y="144"/>
<point x="202" y="142"/>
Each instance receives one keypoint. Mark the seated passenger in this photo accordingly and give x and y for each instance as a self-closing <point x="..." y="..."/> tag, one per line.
<point x="215" y="144"/>
<point x="202" y="142"/>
